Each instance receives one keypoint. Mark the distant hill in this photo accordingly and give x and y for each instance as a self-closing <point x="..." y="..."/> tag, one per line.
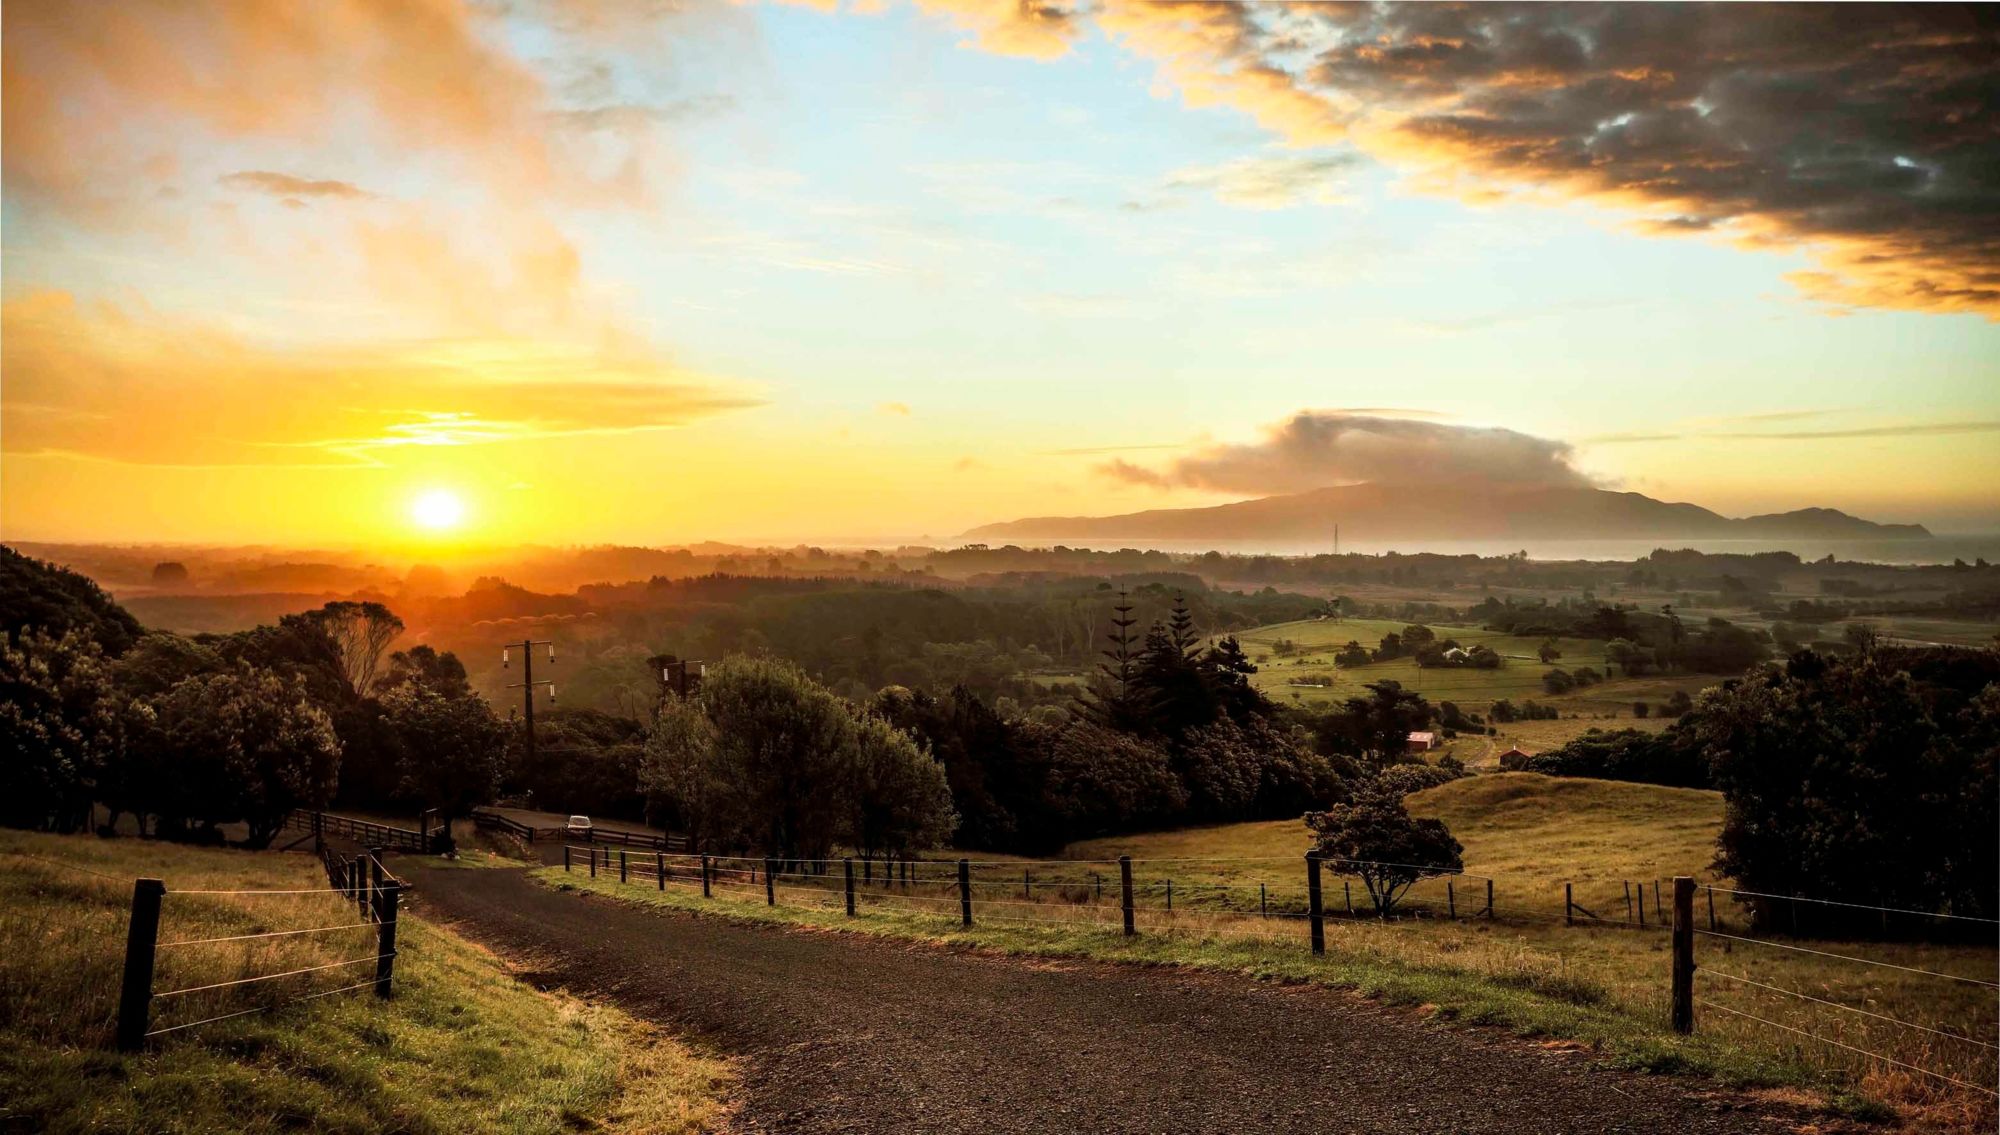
<point x="1379" y="513"/>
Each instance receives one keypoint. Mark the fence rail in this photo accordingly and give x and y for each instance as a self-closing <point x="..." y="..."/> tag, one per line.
<point x="493" y="821"/>
<point x="368" y="833"/>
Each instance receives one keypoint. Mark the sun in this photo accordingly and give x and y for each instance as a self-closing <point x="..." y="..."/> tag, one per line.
<point x="437" y="510"/>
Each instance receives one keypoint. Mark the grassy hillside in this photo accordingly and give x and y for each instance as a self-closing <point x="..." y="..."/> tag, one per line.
<point x="1531" y="834"/>
<point x="461" y="1047"/>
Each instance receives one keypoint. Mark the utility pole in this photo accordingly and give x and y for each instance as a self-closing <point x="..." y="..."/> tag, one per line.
<point x="676" y="676"/>
<point x="527" y="683"/>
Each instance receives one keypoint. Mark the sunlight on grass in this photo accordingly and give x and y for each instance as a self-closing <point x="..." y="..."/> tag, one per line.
<point x="461" y="1047"/>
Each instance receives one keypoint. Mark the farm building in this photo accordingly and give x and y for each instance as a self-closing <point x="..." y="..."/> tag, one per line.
<point x="1422" y="742"/>
<point x="1514" y="758"/>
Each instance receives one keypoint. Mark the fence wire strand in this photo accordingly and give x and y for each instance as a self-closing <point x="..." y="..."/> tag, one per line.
<point x="272" y="976"/>
<point x="1851" y="1048"/>
<point x="267" y="934"/>
<point x="1847" y="958"/>
<point x="263" y="1008"/>
<point x="1849" y="1008"/>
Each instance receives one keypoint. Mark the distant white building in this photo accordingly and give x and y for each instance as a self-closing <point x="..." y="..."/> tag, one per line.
<point x="1422" y="742"/>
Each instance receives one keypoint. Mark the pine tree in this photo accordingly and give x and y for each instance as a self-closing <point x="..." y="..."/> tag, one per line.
<point x="1121" y="654"/>
<point x="1180" y="627"/>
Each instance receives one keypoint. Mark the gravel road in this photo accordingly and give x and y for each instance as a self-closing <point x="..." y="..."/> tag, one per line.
<point x="850" y="1033"/>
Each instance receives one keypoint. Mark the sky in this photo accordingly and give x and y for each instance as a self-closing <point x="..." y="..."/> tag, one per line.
<point x="368" y="274"/>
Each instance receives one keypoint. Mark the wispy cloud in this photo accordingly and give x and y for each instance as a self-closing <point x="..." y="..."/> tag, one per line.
<point x="139" y="388"/>
<point x="287" y="185"/>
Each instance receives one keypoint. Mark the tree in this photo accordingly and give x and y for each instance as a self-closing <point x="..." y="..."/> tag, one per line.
<point x="1627" y="655"/>
<point x="1353" y="654"/>
<point x="1863" y="637"/>
<point x="38" y="594"/>
<point x="1376" y="838"/>
<point x="1641" y="709"/>
<point x="776" y="757"/>
<point x="356" y="633"/>
<point x="424" y="666"/>
<point x="1548" y="651"/>
<point x="1558" y="681"/>
<point x="61" y="729"/>
<point x="170" y="573"/>
<point x="1868" y="778"/>
<point x="1678" y="703"/>
<point x="451" y="746"/>
<point x="901" y="800"/>
<point x="243" y="744"/>
<point x="1376" y="727"/>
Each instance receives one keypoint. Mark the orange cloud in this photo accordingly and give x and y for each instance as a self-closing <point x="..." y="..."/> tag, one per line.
<point x="1031" y="29"/>
<point x="103" y="382"/>
<point x="95" y="92"/>
<point x="1214" y="53"/>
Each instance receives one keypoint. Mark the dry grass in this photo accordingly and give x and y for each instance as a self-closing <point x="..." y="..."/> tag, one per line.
<point x="461" y="1046"/>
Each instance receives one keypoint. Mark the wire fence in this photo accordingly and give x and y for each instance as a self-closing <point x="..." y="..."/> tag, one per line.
<point x="272" y="968"/>
<point x="1283" y="903"/>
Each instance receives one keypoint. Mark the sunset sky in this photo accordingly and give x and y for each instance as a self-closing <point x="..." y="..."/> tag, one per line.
<point x="361" y="273"/>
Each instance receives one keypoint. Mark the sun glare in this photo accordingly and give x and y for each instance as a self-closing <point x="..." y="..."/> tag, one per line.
<point x="437" y="510"/>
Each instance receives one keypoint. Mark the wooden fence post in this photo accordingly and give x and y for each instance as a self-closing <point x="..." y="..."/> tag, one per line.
<point x="1489" y="898"/>
<point x="1313" y="910"/>
<point x="770" y="882"/>
<point x="660" y="870"/>
<point x="704" y="878"/>
<point x="965" y="892"/>
<point x="1026" y="887"/>
<point x="593" y="863"/>
<point x="848" y="864"/>
<point x="1642" y="905"/>
<point x="1683" y="954"/>
<point x="135" y="994"/>
<point x="565" y="857"/>
<point x="1628" y="900"/>
<point x="1450" y="901"/>
<point x="1263" y="902"/>
<point x="1569" y="906"/>
<point x="1657" y="914"/>
<point x="1347" y="894"/>
<point x="1711" y="906"/>
<point x="1170" y="896"/>
<point x="375" y="882"/>
<point x="385" y="939"/>
<point x="1125" y="883"/>
<point x="622" y="866"/>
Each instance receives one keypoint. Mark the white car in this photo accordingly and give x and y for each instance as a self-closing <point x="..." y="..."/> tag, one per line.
<point x="578" y="826"/>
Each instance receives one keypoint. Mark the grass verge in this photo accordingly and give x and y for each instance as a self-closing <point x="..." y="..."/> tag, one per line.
<point x="1524" y="995"/>
<point x="461" y="1047"/>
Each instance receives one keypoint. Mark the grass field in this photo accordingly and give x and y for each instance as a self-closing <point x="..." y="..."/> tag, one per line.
<point x="1310" y="678"/>
<point x="461" y="1047"/>
<point x="1602" y="983"/>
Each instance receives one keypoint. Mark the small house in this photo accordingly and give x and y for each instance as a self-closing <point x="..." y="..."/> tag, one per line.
<point x="1514" y="758"/>
<point x="1422" y="742"/>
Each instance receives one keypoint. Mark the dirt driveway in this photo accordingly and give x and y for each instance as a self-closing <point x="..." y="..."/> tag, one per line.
<point x="848" y="1033"/>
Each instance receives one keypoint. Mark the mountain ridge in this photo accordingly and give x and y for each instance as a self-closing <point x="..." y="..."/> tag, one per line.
<point x="1380" y="511"/>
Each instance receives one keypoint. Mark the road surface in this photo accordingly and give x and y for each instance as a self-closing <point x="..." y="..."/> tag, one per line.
<point x="853" y="1033"/>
